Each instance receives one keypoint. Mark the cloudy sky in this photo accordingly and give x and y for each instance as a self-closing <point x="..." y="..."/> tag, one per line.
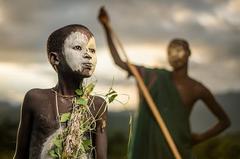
<point x="145" y="27"/>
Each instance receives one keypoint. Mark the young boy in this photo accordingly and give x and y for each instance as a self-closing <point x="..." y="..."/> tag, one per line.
<point x="72" y="53"/>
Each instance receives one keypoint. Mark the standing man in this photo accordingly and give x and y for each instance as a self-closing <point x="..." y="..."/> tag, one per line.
<point x="175" y="94"/>
<point x="72" y="53"/>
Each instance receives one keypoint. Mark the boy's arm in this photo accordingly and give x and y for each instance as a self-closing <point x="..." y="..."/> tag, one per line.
<point x="223" y="120"/>
<point x="101" y="130"/>
<point x="24" y="130"/>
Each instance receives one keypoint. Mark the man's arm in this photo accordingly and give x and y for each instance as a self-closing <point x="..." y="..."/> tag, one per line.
<point x="101" y="130"/>
<point x="223" y="120"/>
<point x="24" y="130"/>
<point x="104" y="20"/>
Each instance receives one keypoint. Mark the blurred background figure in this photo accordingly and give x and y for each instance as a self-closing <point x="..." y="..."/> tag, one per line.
<point x="175" y="94"/>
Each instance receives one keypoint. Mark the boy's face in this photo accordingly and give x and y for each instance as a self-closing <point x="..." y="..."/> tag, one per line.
<point x="79" y="51"/>
<point x="177" y="56"/>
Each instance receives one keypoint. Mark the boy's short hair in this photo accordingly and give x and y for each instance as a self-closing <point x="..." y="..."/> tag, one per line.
<point x="56" y="39"/>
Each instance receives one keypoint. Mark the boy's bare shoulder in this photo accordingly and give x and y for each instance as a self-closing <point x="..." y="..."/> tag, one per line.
<point x="34" y="96"/>
<point x="100" y="103"/>
<point x="36" y="93"/>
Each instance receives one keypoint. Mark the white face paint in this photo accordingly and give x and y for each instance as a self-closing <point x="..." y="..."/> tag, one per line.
<point x="80" y="53"/>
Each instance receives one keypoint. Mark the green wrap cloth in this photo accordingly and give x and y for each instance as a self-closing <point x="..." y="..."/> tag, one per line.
<point x="147" y="140"/>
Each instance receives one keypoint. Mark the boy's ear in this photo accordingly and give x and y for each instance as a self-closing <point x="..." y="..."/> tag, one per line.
<point x="54" y="58"/>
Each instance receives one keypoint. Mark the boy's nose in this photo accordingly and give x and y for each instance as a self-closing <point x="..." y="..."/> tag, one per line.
<point x="86" y="55"/>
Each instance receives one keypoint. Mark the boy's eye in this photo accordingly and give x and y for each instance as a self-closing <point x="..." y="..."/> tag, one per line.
<point x="92" y="50"/>
<point x="77" y="47"/>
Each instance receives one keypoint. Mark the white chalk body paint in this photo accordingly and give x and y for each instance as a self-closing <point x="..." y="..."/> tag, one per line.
<point x="48" y="145"/>
<point x="76" y="58"/>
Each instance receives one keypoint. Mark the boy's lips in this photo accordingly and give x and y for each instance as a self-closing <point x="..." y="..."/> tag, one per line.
<point x="87" y="65"/>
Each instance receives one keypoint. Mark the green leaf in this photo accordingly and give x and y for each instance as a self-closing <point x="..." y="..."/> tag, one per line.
<point x="65" y="117"/>
<point x="87" y="144"/>
<point x="57" y="143"/>
<point x="79" y="92"/>
<point x="82" y="149"/>
<point x="89" y="88"/>
<point x="58" y="151"/>
<point x="52" y="154"/>
<point x="82" y="101"/>
<point x="111" y="92"/>
<point x="111" y="98"/>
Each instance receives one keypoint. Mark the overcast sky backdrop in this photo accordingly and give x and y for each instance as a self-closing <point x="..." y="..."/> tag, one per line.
<point x="145" y="27"/>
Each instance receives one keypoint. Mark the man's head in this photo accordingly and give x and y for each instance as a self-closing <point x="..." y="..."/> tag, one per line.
<point x="72" y="49"/>
<point x="178" y="53"/>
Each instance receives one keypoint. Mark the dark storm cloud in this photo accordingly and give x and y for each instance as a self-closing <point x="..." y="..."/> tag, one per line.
<point x="211" y="26"/>
<point x="27" y="23"/>
<point x="154" y="22"/>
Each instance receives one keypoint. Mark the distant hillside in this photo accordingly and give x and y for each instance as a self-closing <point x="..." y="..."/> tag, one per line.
<point x="221" y="147"/>
<point x="119" y="121"/>
<point x="202" y="119"/>
<point x="9" y="112"/>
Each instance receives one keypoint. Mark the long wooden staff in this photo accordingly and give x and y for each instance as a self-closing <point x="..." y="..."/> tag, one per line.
<point x="149" y="100"/>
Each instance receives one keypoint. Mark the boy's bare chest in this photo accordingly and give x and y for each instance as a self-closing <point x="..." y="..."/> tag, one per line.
<point x="46" y="115"/>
